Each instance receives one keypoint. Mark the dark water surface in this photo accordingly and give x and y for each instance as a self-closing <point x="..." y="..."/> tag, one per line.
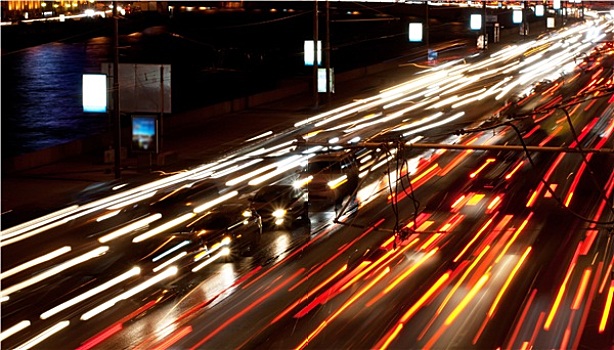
<point x="42" y="97"/>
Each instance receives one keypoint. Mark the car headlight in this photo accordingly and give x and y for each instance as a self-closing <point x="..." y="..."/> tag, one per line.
<point x="279" y="213"/>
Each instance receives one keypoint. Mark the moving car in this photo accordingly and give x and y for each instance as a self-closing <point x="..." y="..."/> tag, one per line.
<point x="329" y="177"/>
<point x="224" y="232"/>
<point x="281" y="205"/>
<point x="233" y="227"/>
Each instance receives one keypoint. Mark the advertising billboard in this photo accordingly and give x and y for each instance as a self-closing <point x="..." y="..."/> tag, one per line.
<point x="145" y="133"/>
<point x="94" y="93"/>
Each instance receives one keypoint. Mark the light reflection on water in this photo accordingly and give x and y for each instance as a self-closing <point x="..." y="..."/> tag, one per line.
<point x="42" y="97"/>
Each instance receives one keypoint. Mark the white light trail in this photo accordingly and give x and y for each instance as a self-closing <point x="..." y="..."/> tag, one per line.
<point x="41" y="259"/>
<point x="215" y="202"/>
<point x="165" y="226"/>
<point x="171" y="271"/>
<point x="130" y="227"/>
<point x="44" y="335"/>
<point x="14" y="329"/>
<point x="54" y="270"/>
<point x="90" y="293"/>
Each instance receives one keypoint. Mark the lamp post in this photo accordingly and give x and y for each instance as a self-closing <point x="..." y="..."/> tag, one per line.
<point x="117" y="130"/>
<point x="316" y="97"/>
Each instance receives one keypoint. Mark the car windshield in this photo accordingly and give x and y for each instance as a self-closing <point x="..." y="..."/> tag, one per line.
<point x="215" y="221"/>
<point x="270" y="194"/>
<point x="324" y="167"/>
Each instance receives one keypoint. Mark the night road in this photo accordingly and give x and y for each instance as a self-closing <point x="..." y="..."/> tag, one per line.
<point x="482" y="218"/>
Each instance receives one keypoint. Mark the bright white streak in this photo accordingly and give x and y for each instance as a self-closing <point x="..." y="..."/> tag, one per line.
<point x="55" y="270"/>
<point x="44" y="335"/>
<point x="215" y="202"/>
<point x="41" y="259"/>
<point x="129" y="228"/>
<point x="90" y="293"/>
<point x="165" y="226"/>
<point x="265" y="134"/>
<point x="170" y="261"/>
<point x="171" y="271"/>
<point x="14" y="329"/>
<point x="132" y="201"/>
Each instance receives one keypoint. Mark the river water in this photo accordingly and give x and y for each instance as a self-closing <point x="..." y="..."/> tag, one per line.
<point x="42" y="97"/>
<point x="41" y="86"/>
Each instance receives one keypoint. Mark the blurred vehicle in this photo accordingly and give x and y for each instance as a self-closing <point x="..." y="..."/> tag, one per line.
<point x="232" y="228"/>
<point x="330" y="177"/>
<point x="281" y="205"/>
<point x="188" y="195"/>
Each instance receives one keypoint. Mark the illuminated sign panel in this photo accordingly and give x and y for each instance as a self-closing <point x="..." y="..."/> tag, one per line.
<point x="517" y="16"/>
<point x="415" y="32"/>
<point x="94" y="93"/>
<point x="308" y="48"/>
<point x="145" y="133"/>
<point x="475" y="22"/>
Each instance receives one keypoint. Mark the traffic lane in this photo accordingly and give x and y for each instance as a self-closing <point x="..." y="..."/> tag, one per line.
<point x="560" y="243"/>
<point x="335" y="235"/>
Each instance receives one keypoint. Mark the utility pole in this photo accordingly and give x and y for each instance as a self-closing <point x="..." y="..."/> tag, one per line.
<point x="117" y="130"/>
<point x="316" y="97"/>
<point x="484" y="41"/>
<point x="426" y="30"/>
<point x="327" y="54"/>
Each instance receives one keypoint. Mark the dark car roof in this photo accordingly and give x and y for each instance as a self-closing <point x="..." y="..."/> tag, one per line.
<point x="271" y="192"/>
<point x="222" y="215"/>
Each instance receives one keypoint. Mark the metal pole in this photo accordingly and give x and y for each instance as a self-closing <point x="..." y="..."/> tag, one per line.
<point x="426" y="28"/>
<point x="117" y="134"/>
<point x="484" y="25"/>
<point x="327" y="54"/>
<point x="315" y="55"/>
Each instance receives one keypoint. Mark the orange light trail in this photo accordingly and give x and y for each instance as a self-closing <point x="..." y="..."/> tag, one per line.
<point x="551" y="136"/>
<point x="339" y="252"/>
<point x="473" y="239"/>
<point x="311" y="293"/>
<point x="509" y="279"/>
<point x="548" y="194"/>
<point x="475" y="173"/>
<point x="557" y="300"/>
<point x="546" y="179"/>
<point x="608" y="271"/>
<point x="463" y="277"/>
<point x="426" y="172"/>
<point x="100" y="337"/>
<point x="409" y="271"/>
<point x="116" y="327"/>
<point x="409" y="313"/>
<point x="454" y="163"/>
<point x="511" y="173"/>
<point x="457" y="202"/>
<point x="452" y="223"/>
<point x="475" y="199"/>
<point x="247" y="309"/>
<point x="342" y="308"/>
<point x="513" y="239"/>
<point x="174" y="338"/>
<point x="588" y="241"/>
<point x="502" y="291"/>
<point x="461" y="306"/>
<point x="494" y="203"/>
<point x="520" y="322"/>
<point x="575" y="181"/>
<point x="580" y="292"/>
<point x="606" y="310"/>
<point x="391" y="337"/>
